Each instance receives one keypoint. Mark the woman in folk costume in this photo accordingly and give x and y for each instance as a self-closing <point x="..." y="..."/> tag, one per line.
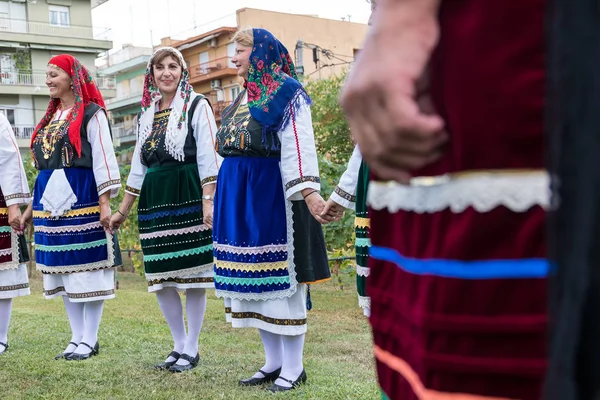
<point x="75" y="250"/>
<point x="14" y="192"/>
<point x="268" y="240"/>
<point x="351" y="193"/>
<point x="173" y="171"/>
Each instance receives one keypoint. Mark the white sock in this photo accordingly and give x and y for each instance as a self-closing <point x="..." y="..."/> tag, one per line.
<point x="76" y="320"/>
<point x="93" y="316"/>
<point x="195" y="307"/>
<point x="273" y="345"/>
<point x="5" y="312"/>
<point x="293" y="347"/>
<point x="170" y="305"/>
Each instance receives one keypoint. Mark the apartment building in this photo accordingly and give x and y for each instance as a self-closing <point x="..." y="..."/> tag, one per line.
<point x="33" y="31"/>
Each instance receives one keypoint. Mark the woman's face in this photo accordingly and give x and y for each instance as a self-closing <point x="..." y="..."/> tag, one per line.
<point x="242" y="59"/>
<point x="167" y="74"/>
<point x="58" y="81"/>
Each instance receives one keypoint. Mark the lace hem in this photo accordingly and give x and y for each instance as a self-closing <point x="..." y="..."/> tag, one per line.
<point x="364" y="302"/>
<point x="363" y="271"/>
<point x="181" y="273"/>
<point x="67" y="229"/>
<point x="72" y="213"/>
<point x="271" y="248"/>
<point x="174" y="232"/>
<point x="71" y="247"/>
<point x="14" y="250"/>
<point x="362" y="242"/>
<point x="280" y="294"/>
<point x="177" y="254"/>
<point x="238" y="266"/>
<point x="108" y="263"/>
<point x="362" y="222"/>
<point x="484" y="191"/>
<point x="169" y="213"/>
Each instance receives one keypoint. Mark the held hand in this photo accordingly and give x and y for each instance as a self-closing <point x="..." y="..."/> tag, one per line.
<point x="386" y="97"/>
<point x="116" y="221"/>
<point x="207" y="211"/>
<point x="316" y="205"/>
<point x="105" y="217"/>
<point x="332" y="211"/>
<point x="14" y="218"/>
<point x="26" y="217"/>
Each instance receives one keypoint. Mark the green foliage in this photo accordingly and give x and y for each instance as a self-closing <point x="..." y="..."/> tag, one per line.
<point x="22" y="58"/>
<point x="334" y="146"/>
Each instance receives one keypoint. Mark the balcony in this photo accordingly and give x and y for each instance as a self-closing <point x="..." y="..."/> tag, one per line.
<point x="23" y="131"/>
<point x="123" y="134"/>
<point x="219" y="107"/>
<point x="19" y="30"/>
<point x="215" y="69"/>
<point x="15" y="82"/>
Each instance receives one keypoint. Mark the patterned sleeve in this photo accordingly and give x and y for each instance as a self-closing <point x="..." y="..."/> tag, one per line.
<point x="205" y="129"/>
<point x="299" y="164"/>
<point x="345" y="192"/>
<point x="104" y="160"/>
<point x="13" y="180"/>
<point x="137" y="171"/>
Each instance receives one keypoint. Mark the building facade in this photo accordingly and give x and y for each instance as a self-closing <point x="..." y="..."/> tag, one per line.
<point x="332" y="44"/>
<point x="31" y="32"/>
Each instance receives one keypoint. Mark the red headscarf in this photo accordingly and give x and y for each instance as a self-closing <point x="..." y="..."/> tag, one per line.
<point x="86" y="92"/>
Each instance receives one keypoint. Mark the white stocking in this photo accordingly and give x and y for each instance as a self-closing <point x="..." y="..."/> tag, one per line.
<point x="93" y="316"/>
<point x="195" y="307"/>
<point x="5" y="311"/>
<point x="293" y="347"/>
<point x="76" y="320"/>
<point x="273" y="345"/>
<point x="170" y="305"/>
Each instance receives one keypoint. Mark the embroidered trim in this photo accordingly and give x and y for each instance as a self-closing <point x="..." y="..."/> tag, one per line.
<point x="99" y="293"/>
<point x="3" y="211"/>
<point x="177" y="254"/>
<point x="174" y="232"/>
<point x="169" y="213"/>
<point x="98" y="265"/>
<point x="362" y="242"/>
<point x="181" y="281"/>
<point x="5" y="229"/>
<point x="70" y="213"/>
<point x="17" y="196"/>
<point x="227" y="310"/>
<point x="293" y="119"/>
<point x="345" y="195"/>
<point x="484" y="191"/>
<point x="208" y="180"/>
<point x="363" y="271"/>
<point x="292" y="183"/>
<point x="271" y="248"/>
<point x="5" y="252"/>
<point x="14" y="287"/>
<point x="109" y="183"/>
<point x="269" y="320"/>
<point x="279" y="294"/>
<point x="272" y="280"/>
<point x="180" y="273"/>
<point x="238" y="266"/>
<point x="145" y="210"/>
<point x="71" y="247"/>
<point x="362" y="222"/>
<point x="67" y="228"/>
<point x="132" y="190"/>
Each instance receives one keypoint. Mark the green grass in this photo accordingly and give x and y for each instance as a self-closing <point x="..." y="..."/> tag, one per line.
<point x="134" y="336"/>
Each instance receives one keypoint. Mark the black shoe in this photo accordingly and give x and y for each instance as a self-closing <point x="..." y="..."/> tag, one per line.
<point x="268" y="377"/>
<point x="81" y="357"/>
<point x="277" y="388"/>
<point x="65" y="355"/>
<point x="193" y="363"/>
<point x="167" y="365"/>
<point x="5" y="347"/>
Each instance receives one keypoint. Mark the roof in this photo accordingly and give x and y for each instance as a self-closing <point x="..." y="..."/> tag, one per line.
<point x="218" y="31"/>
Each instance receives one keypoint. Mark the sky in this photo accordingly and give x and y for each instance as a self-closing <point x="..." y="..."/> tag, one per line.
<point x="145" y="22"/>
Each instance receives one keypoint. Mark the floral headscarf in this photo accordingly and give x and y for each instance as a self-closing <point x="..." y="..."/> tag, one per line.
<point x="177" y="127"/>
<point x="86" y="92"/>
<point x="274" y="92"/>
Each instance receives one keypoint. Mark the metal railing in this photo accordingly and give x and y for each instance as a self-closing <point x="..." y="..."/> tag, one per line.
<point x="47" y="29"/>
<point x="18" y="78"/>
<point x="120" y="131"/>
<point x="211" y="66"/>
<point x="23" y="131"/>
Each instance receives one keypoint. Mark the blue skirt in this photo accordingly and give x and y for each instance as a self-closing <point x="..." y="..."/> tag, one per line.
<point x="75" y="241"/>
<point x="264" y="245"/>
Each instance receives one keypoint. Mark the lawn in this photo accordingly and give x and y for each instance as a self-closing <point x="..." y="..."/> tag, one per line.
<point x="134" y="336"/>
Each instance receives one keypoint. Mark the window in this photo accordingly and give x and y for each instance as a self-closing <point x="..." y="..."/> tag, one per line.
<point x="9" y="114"/>
<point x="235" y="92"/>
<point x="230" y="54"/>
<point x="59" y="16"/>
